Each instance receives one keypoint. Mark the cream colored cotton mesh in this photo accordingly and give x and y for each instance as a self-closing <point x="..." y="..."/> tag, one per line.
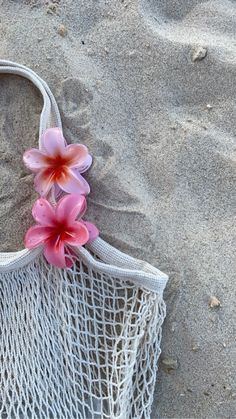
<point x="76" y="343"/>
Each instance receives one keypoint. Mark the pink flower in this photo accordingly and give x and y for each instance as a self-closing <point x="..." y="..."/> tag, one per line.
<point x="58" y="227"/>
<point x="58" y="164"/>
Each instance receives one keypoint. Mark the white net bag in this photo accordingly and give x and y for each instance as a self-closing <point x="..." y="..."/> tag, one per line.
<point x="81" y="342"/>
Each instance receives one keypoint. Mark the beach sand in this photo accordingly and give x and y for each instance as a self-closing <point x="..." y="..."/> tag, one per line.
<point x="150" y="87"/>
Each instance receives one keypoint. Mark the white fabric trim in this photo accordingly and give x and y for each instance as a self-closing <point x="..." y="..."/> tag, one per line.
<point x="112" y="261"/>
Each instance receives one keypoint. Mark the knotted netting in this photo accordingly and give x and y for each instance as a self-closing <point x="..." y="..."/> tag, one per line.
<point x="81" y="342"/>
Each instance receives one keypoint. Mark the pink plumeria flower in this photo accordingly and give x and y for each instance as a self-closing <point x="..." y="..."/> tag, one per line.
<point x="58" y="164"/>
<point x="60" y="227"/>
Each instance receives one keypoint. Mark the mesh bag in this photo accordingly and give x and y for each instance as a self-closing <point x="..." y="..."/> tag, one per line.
<point x="81" y="342"/>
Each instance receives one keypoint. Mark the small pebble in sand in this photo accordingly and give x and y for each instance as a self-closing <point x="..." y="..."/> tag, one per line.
<point x="132" y="53"/>
<point x="214" y="302"/>
<point x="173" y="326"/>
<point x="52" y="8"/>
<point x="169" y="364"/>
<point x="99" y="83"/>
<point x="62" y="30"/>
<point x="199" y="53"/>
<point x="196" y="347"/>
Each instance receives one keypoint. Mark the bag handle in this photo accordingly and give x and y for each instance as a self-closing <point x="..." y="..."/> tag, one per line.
<point x="50" y="115"/>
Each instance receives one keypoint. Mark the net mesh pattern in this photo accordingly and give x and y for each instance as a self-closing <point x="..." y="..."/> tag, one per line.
<point x="76" y="343"/>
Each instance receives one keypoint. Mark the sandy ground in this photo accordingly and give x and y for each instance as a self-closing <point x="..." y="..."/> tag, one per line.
<point x="150" y="87"/>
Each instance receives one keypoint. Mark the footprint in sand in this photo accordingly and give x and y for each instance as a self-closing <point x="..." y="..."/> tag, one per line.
<point x="191" y="22"/>
<point x="75" y="105"/>
<point x="166" y="10"/>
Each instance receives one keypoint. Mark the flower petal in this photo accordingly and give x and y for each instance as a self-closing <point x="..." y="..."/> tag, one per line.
<point x="43" y="182"/>
<point x="34" y="159"/>
<point x="77" y="235"/>
<point x="84" y="166"/>
<point x="74" y="183"/>
<point x="53" y="141"/>
<point x="92" y="229"/>
<point x="76" y="154"/>
<point x="54" y="252"/>
<point x="44" y="213"/>
<point x="70" y="207"/>
<point x="37" y="235"/>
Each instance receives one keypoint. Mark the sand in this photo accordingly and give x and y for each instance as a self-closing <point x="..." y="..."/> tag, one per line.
<point x="150" y="87"/>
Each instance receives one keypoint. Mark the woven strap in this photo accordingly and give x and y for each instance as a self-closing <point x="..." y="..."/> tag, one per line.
<point x="50" y="115"/>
